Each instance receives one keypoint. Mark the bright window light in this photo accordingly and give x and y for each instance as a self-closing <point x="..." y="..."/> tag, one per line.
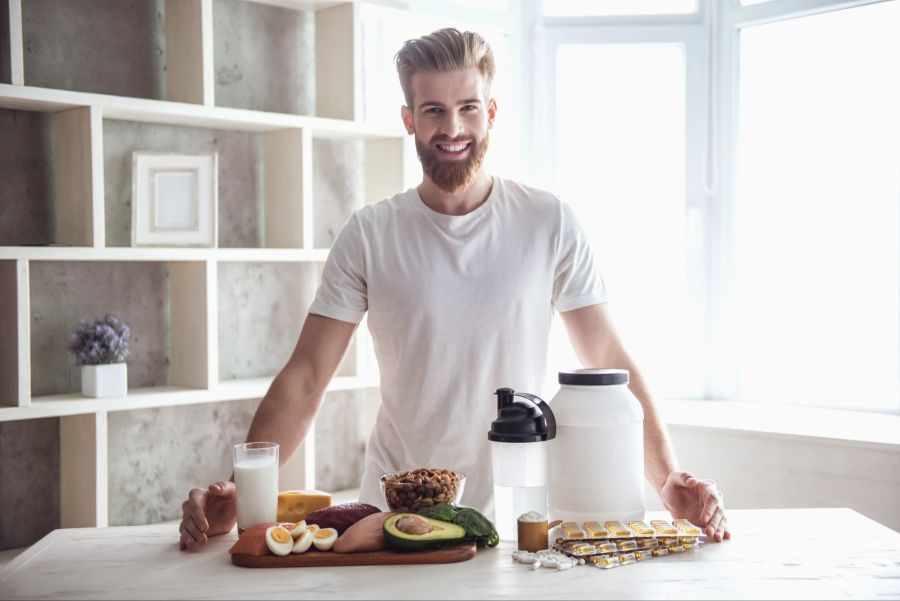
<point x="620" y="162"/>
<point x="609" y="8"/>
<point x="818" y="210"/>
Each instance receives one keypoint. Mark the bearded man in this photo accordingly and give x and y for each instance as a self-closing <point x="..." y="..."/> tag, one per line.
<point x="460" y="277"/>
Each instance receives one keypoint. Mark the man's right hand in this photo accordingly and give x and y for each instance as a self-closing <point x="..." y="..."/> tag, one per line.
<point x="207" y="513"/>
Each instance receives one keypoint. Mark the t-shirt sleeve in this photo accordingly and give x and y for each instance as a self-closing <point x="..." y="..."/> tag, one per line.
<point x="343" y="292"/>
<point x="576" y="281"/>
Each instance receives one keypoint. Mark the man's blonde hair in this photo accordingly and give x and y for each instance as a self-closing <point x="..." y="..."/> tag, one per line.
<point x="444" y="50"/>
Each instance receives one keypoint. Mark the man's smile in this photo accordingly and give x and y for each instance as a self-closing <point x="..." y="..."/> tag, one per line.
<point x="454" y="150"/>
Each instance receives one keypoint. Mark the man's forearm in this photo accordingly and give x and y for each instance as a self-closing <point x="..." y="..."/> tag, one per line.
<point x="659" y="456"/>
<point x="286" y="412"/>
<point x="597" y="345"/>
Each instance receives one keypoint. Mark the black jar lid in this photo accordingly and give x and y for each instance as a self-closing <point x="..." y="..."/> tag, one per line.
<point x="594" y="377"/>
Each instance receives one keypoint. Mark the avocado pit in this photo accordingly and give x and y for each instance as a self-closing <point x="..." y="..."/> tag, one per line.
<point x="414" y="524"/>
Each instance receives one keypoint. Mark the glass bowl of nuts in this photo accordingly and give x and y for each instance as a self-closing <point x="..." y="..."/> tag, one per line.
<point x="412" y="490"/>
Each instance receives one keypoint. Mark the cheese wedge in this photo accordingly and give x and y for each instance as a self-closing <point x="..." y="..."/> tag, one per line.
<point x="295" y="505"/>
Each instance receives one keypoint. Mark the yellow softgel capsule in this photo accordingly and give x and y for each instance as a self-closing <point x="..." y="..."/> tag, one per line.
<point x="640" y="528"/>
<point x="643" y="555"/>
<point x="664" y="528"/>
<point x="660" y="552"/>
<point x="687" y="539"/>
<point x="626" y="558"/>
<point x="571" y="530"/>
<point x="627" y="544"/>
<point x="595" y="530"/>
<point x="617" y="528"/>
<point x="667" y="540"/>
<point x="691" y="545"/>
<point x="686" y="528"/>
<point x="606" y="547"/>
<point x="583" y="549"/>
<point x="605" y="561"/>
<point x="648" y="543"/>
<point x="676" y="548"/>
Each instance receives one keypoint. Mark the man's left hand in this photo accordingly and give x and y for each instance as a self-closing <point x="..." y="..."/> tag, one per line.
<point x="699" y="501"/>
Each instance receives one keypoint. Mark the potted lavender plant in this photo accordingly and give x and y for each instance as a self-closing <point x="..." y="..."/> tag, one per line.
<point x="100" y="347"/>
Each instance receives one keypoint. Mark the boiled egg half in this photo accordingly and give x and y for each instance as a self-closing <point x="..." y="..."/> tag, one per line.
<point x="323" y="539"/>
<point x="298" y="529"/>
<point x="303" y="541"/>
<point x="279" y="540"/>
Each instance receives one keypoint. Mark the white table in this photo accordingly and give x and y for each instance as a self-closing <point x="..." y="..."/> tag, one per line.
<point x="787" y="553"/>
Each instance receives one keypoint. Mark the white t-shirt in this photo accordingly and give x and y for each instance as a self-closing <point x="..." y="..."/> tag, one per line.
<point x="459" y="306"/>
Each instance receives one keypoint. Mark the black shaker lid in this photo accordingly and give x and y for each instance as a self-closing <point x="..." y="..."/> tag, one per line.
<point x="594" y="377"/>
<point x="521" y="418"/>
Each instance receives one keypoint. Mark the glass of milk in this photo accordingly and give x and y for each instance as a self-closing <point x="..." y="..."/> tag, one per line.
<point x="256" y="481"/>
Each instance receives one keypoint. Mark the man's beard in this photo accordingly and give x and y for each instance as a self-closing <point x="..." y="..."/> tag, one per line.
<point x="449" y="175"/>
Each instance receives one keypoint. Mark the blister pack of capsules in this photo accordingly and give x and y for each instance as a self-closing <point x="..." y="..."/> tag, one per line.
<point x="613" y="544"/>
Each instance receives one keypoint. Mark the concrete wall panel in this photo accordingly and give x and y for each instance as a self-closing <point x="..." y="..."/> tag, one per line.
<point x="118" y="46"/>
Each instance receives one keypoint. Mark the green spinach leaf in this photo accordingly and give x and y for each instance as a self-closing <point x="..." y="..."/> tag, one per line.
<point x="474" y="523"/>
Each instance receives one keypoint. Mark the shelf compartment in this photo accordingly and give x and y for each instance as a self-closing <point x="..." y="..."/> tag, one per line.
<point x="317" y="79"/>
<point x="261" y="311"/>
<point x="264" y="192"/>
<point x="350" y="173"/>
<point x="152" y="298"/>
<point x="159" y="49"/>
<point x="239" y="193"/>
<point x="29" y="493"/>
<point x="50" y="180"/>
<point x="120" y="47"/>
<point x="264" y="57"/>
<point x="175" y="448"/>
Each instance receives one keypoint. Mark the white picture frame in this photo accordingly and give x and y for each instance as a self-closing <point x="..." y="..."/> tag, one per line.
<point x="174" y="199"/>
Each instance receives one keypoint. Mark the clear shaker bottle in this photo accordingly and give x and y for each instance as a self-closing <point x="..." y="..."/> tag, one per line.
<point x="519" y="438"/>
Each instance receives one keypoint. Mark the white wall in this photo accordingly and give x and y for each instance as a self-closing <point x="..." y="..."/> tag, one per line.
<point x="762" y="470"/>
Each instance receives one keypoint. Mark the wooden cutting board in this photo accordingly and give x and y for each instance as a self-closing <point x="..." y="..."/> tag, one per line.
<point x="315" y="559"/>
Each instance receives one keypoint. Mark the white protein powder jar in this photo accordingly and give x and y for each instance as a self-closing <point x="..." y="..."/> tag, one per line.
<point x="596" y="462"/>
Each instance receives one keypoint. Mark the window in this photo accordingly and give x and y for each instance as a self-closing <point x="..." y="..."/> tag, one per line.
<point x="620" y="163"/>
<point x="606" y="8"/>
<point x="741" y="184"/>
<point x="818" y="210"/>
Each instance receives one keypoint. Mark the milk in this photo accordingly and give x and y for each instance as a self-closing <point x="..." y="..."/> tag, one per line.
<point x="256" y="481"/>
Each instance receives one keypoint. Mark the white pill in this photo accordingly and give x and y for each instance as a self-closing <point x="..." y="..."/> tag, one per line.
<point x="549" y="562"/>
<point x="565" y="566"/>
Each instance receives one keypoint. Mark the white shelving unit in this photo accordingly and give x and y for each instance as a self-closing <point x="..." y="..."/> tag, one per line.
<point x="78" y="122"/>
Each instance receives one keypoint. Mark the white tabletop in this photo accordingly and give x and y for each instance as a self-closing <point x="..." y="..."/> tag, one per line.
<point x="775" y="553"/>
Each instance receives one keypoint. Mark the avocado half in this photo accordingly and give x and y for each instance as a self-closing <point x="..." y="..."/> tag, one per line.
<point x="440" y="533"/>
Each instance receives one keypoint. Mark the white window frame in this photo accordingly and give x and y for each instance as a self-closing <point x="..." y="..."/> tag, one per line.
<point x="711" y="37"/>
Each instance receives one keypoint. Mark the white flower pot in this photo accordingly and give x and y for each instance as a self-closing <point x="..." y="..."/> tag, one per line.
<point x="102" y="381"/>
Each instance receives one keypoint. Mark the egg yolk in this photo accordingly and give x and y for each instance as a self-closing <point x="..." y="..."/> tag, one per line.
<point x="312" y="528"/>
<point x="323" y="533"/>
<point x="281" y="535"/>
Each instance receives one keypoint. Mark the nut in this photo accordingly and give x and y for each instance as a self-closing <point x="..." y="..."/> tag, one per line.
<point x="414" y="489"/>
